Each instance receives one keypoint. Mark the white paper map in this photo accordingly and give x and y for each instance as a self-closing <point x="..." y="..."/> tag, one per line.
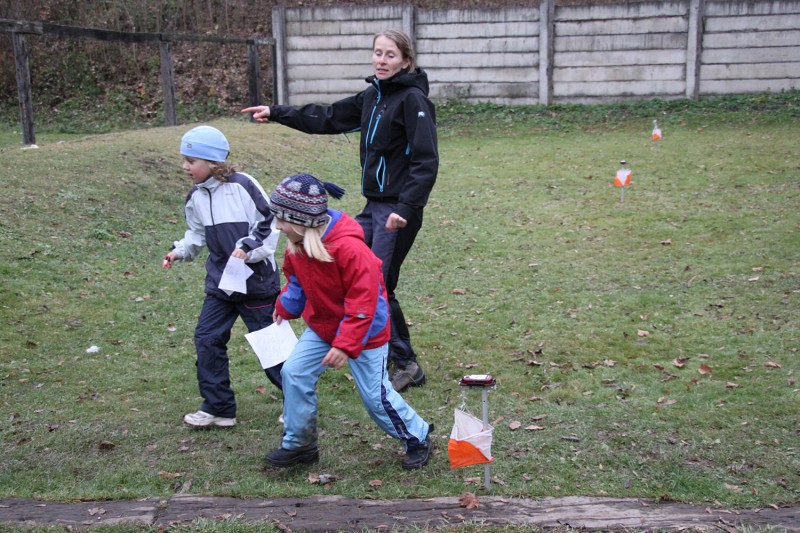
<point x="273" y="344"/>
<point x="234" y="277"/>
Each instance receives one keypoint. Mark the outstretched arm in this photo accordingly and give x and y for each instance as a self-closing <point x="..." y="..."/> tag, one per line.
<point x="260" y="112"/>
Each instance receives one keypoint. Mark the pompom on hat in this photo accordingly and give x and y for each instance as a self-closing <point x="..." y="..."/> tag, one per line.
<point x="205" y="142"/>
<point x="302" y="199"/>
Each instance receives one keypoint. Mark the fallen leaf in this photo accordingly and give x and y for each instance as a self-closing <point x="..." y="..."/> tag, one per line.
<point x="642" y="333"/>
<point x="705" y="369"/>
<point x="666" y="242"/>
<point x="468" y="500"/>
<point x="376" y="483"/>
<point x="770" y="364"/>
<point x="106" y="445"/>
<point x="534" y="428"/>
<point x="680" y="362"/>
<point x="516" y="424"/>
<point x="472" y="480"/>
<point x="186" y="486"/>
<point x="169" y="475"/>
<point x="731" y="385"/>
<point x="97" y="510"/>
<point x="665" y="401"/>
<point x="261" y="389"/>
<point x="459" y="291"/>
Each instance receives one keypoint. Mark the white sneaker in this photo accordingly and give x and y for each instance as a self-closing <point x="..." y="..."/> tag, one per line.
<point x="280" y="420"/>
<point x="201" y="419"/>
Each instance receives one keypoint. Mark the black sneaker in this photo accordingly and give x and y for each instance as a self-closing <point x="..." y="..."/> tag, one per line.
<point x="283" y="458"/>
<point x="404" y="377"/>
<point x="419" y="455"/>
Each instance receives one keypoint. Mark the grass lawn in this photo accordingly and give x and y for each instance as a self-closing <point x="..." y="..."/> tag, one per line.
<point x="642" y="348"/>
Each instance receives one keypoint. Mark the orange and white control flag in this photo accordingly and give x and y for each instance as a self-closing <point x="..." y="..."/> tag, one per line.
<point x="469" y="444"/>
<point x="656" y="131"/>
<point x="622" y="178"/>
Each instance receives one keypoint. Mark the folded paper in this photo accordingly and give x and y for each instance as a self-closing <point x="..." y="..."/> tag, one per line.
<point x="273" y="344"/>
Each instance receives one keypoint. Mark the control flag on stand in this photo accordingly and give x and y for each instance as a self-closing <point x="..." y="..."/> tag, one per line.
<point x="470" y="443"/>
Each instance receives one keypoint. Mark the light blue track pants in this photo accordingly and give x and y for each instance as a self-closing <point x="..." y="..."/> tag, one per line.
<point x="387" y="408"/>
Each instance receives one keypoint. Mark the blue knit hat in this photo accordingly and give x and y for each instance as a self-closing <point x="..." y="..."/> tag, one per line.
<point x="205" y="142"/>
<point x="302" y="199"/>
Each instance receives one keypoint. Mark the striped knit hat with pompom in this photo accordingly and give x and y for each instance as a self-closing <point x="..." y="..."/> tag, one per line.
<point x="302" y="199"/>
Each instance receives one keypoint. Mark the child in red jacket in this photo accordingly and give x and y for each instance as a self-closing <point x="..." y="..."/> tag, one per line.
<point x="335" y="283"/>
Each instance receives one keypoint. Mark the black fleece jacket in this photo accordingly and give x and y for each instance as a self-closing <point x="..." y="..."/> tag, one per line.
<point x="399" y="146"/>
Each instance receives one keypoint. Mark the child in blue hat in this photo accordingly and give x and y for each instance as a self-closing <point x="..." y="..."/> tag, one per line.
<point x="227" y="211"/>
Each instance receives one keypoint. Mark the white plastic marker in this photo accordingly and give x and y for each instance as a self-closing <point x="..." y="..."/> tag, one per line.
<point x="622" y="179"/>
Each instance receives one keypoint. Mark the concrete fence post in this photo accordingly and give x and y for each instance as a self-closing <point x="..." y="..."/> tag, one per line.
<point x="280" y="93"/>
<point x="694" y="48"/>
<point x="546" y="50"/>
<point x="410" y="23"/>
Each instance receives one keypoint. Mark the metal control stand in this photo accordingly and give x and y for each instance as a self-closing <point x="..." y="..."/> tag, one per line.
<point x="486" y="383"/>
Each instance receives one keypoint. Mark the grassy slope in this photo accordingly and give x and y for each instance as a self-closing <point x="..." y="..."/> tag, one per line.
<point x="558" y="283"/>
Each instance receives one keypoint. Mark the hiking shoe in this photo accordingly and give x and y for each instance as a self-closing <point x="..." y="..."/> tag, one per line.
<point x="283" y="458"/>
<point x="403" y="377"/>
<point x="419" y="455"/>
<point x="201" y="419"/>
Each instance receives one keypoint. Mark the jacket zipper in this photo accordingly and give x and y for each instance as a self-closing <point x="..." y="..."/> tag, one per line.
<point x="380" y="175"/>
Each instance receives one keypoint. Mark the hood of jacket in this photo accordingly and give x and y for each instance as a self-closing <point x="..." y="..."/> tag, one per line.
<point x="416" y="78"/>
<point x="341" y="228"/>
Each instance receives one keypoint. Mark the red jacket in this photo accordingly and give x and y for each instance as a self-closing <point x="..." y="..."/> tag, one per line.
<point x="344" y="302"/>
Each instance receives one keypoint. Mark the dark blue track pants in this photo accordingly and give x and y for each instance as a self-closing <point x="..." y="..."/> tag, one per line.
<point x="211" y="342"/>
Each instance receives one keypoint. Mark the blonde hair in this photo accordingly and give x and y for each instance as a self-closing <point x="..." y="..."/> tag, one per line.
<point x="311" y="244"/>
<point x="404" y="44"/>
<point x="222" y="170"/>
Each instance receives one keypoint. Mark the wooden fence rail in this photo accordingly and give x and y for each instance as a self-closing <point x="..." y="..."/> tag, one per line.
<point x="19" y="37"/>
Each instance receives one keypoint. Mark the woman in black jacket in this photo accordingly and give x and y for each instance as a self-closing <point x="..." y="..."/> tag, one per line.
<point x="399" y="162"/>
